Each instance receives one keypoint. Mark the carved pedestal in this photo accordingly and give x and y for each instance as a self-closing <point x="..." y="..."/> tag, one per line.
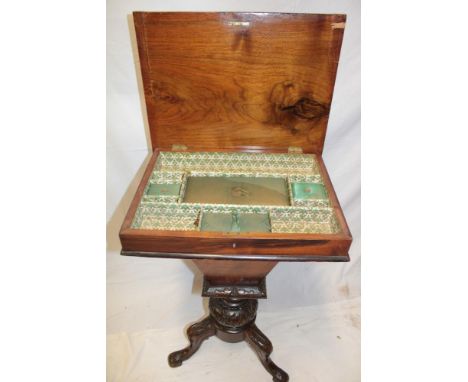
<point x="232" y="320"/>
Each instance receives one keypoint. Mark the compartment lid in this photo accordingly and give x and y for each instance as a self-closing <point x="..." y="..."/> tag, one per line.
<point x="241" y="81"/>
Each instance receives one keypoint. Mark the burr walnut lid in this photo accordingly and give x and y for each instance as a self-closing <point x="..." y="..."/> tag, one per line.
<point x="238" y="81"/>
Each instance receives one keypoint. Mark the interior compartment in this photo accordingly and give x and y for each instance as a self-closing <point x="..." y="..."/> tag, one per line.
<point x="236" y="192"/>
<point x="235" y="222"/>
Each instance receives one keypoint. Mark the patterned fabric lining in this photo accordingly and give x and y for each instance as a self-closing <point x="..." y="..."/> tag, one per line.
<point x="168" y="212"/>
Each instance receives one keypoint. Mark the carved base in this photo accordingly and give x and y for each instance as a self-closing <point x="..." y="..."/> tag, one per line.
<point x="232" y="320"/>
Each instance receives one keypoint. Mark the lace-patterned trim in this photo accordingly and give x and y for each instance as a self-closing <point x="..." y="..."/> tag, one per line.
<point x="157" y="212"/>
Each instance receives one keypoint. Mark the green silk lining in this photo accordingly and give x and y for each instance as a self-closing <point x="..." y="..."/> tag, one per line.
<point x="235" y="222"/>
<point x="304" y="191"/>
<point x="236" y="192"/>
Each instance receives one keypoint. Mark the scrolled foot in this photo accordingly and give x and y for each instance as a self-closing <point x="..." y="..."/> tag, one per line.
<point x="175" y="358"/>
<point x="263" y="347"/>
<point x="280" y="375"/>
<point x="196" y="333"/>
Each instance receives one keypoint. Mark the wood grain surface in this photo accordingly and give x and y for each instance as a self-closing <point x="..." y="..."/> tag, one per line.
<point x="234" y="272"/>
<point x="242" y="81"/>
<point x="237" y="82"/>
<point x="235" y="245"/>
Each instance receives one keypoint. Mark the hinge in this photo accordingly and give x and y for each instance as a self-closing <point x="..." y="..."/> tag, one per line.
<point x="179" y="148"/>
<point x="294" y="150"/>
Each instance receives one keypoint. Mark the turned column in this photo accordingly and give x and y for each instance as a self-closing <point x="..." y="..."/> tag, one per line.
<point x="232" y="319"/>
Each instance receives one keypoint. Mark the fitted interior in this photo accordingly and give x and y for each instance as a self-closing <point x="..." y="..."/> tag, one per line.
<point x="236" y="192"/>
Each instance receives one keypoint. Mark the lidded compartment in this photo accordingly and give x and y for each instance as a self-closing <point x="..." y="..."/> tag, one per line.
<point x="236" y="192"/>
<point x="237" y="107"/>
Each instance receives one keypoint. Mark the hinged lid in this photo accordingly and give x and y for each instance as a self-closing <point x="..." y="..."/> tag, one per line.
<point x="295" y="150"/>
<point x="242" y="81"/>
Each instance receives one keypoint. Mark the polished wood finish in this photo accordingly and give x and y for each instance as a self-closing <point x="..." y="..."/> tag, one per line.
<point x="237" y="82"/>
<point x="231" y="320"/>
<point x="196" y="333"/>
<point x="244" y="81"/>
<point x="234" y="271"/>
<point x="232" y="245"/>
<point x="252" y="82"/>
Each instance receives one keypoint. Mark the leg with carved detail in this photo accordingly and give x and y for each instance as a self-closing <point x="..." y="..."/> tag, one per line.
<point x="196" y="333"/>
<point x="263" y="347"/>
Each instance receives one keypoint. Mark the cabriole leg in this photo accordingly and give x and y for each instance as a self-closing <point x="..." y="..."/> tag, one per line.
<point x="232" y="320"/>
<point x="196" y="333"/>
<point x="263" y="347"/>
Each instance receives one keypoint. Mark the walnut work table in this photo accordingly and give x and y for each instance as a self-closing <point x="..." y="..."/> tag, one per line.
<point x="237" y="107"/>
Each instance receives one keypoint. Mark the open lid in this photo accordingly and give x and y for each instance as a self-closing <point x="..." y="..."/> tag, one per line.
<point x="242" y="81"/>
